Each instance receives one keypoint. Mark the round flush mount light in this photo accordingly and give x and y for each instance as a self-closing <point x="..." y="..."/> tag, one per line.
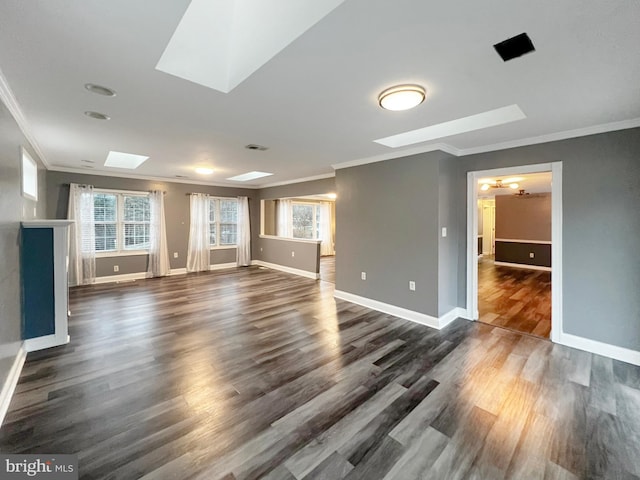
<point x="402" y="97"/>
<point x="100" y="90"/>
<point x="204" y="170"/>
<point x="97" y="115"/>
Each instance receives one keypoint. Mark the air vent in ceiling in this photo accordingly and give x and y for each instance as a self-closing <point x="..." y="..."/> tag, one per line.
<point x="514" y="47"/>
<point x="253" y="146"/>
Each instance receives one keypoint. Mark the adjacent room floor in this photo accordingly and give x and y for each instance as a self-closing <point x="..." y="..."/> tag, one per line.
<point x="251" y="373"/>
<point x="328" y="268"/>
<point x="515" y="298"/>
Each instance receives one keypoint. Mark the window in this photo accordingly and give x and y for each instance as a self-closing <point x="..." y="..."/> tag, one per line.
<point x="223" y="222"/>
<point x="305" y="220"/>
<point x="29" y="176"/>
<point x="122" y="221"/>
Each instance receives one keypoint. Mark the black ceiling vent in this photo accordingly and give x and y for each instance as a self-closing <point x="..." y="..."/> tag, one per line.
<point x="514" y="47"/>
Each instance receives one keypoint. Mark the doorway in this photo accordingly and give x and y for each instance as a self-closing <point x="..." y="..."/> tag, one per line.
<point x="498" y="278"/>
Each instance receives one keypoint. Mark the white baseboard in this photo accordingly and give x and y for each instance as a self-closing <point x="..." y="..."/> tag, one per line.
<point x="125" y="277"/>
<point x="400" y="312"/>
<point x="522" y="265"/>
<point x="282" y="268"/>
<point x="12" y="380"/>
<point x="450" y="316"/>
<point x="599" y="348"/>
<point x="129" y="277"/>
<point x="222" y="266"/>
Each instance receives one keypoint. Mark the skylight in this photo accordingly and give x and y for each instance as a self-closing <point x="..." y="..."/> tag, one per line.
<point x="220" y="43"/>
<point x="124" y="160"/>
<point x="491" y="118"/>
<point x="245" y="177"/>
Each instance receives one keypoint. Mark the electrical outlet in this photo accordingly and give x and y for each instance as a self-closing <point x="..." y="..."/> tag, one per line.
<point x="531" y="255"/>
<point x="260" y="248"/>
<point x="175" y="254"/>
<point x="444" y="231"/>
<point x="116" y="268"/>
<point x="293" y="254"/>
<point x="412" y="285"/>
<point x="363" y="275"/>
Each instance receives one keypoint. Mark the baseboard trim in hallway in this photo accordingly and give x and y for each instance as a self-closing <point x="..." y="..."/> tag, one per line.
<point x="12" y="381"/>
<point x="605" y="349"/>
<point x="404" y="313"/>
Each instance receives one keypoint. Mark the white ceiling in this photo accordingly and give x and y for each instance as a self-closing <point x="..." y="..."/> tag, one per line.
<point x="314" y="104"/>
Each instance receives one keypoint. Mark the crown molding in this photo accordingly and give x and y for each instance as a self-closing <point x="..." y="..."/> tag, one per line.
<point x="10" y="101"/>
<point x="399" y="154"/>
<point x="100" y="173"/>
<point x="554" y="137"/>
<point x="523" y="142"/>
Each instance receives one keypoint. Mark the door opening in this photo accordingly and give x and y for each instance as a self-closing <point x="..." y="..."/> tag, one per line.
<point x="500" y="245"/>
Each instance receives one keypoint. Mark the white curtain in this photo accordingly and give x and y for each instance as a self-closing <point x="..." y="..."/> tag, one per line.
<point x="82" y="240"/>
<point x="284" y="228"/>
<point x="326" y="245"/>
<point x="243" y="256"/>
<point x="158" y="249"/>
<point x="198" y="252"/>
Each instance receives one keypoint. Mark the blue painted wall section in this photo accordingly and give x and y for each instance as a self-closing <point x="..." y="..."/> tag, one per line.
<point x="38" y="297"/>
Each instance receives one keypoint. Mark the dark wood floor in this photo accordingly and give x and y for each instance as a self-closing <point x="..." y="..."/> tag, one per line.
<point x="252" y="373"/>
<point x="515" y="298"/>
<point x="328" y="268"/>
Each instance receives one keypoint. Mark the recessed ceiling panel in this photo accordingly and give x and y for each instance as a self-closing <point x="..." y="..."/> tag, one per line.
<point x="129" y="161"/>
<point x="499" y="116"/>
<point x="220" y="43"/>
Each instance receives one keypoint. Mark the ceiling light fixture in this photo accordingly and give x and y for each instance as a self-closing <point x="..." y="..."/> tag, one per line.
<point x="100" y="90"/>
<point x="487" y="184"/>
<point x="402" y="97"/>
<point x="204" y="170"/>
<point x="97" y="115"/>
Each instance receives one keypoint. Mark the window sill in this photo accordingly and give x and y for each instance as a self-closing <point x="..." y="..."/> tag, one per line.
<point x="123" y="253"/>
<point x="223" y="247"/>
<point x="291" y="239"/>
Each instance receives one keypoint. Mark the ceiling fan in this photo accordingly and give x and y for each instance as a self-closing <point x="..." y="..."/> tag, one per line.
<point x="500" y="183"/>
<point x="521" y="193"/>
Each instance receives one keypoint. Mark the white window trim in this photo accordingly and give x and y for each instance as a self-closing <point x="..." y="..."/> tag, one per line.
<point x="218" y="246"/>
<point x="120" y="223"/>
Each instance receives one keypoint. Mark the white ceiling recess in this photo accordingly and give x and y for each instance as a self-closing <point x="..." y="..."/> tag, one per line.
<point x="219" y="43"/>
<point x="312" y="97"/>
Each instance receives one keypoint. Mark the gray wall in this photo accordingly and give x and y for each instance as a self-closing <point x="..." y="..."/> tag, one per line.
<point x="325" y="185"/>
<point x="278" y="251"/>
<point x="13" y="209"/>
<point x="526" y="217"/>
<point x="601" y="229"/>
<point x="387" y="225"/>
<point x="176" y="211"/>
<point x="448" y="246"/>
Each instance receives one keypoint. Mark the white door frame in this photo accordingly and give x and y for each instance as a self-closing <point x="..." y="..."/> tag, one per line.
<point x="556" y="238"/>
